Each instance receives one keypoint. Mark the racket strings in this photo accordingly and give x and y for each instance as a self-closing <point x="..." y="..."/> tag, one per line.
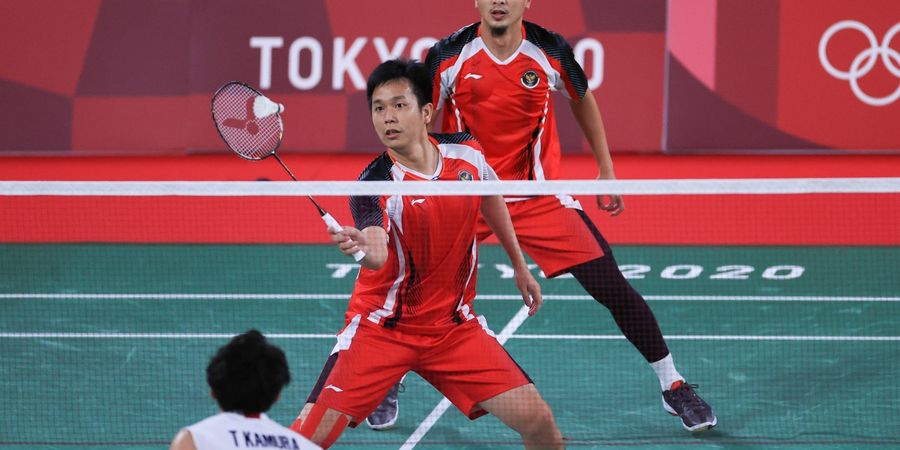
<point x="245" y="134"/>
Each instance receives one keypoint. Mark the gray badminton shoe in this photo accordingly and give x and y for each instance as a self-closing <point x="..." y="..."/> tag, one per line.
<point x="385" y="415"/>
<point x="682" y="401"/>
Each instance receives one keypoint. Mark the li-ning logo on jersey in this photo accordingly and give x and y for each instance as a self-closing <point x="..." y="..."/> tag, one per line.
<point x="464" y="175"/>
<point x="530" y="79"/>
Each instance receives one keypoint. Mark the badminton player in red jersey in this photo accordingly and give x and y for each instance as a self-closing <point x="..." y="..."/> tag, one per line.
<point x="494" y="79"/>
<point x="411" y="307"/>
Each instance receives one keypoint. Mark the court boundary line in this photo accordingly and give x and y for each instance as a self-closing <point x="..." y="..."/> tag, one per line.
<point x="75" y="335"/>
<point x="263" y="296"/>
<point x="587" y="337"/>
<point x="712" y="337"/>
<point x="576" y="442"/>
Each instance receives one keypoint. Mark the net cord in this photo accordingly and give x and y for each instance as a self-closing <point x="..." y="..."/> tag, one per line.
<point x="507" y="188"/>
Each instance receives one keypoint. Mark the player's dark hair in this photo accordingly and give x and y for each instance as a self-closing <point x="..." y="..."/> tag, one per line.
<point x="247" y="374"/>
<point x="396" y="69"/>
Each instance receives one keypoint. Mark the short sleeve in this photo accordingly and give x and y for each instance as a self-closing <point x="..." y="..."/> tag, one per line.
<point x="368" y="211"/>
<point x="572" y="81"/>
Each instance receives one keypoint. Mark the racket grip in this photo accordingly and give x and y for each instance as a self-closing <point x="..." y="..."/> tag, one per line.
<point x="334" y="226"/>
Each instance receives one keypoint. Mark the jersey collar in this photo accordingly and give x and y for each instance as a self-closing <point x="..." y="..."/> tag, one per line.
<point x="417" y="174"/>
<point x="487" y="51"/>
<point x="478" y="33"/>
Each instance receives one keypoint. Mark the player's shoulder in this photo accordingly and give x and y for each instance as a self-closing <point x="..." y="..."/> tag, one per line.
<point x="463" y="138"/>
<point x="209" y="421"/>
<point x="378" y="170"/>
<point x="460" y="37"/>
<point x="453" y="44"/>
<point x="461" y="149"/>
<point x="550" y="42"/>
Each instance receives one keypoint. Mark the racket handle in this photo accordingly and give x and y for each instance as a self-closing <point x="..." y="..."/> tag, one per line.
<point x="334" y="226"/>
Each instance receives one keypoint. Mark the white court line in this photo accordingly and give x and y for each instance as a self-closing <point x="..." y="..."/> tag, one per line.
<point x="227" y="296"/>
<point x="701" y="337"/>
<point x="587" y="337"/>
<point x="718" y="298"/>
<point x="158" y="335"/>
<point x="444" y="404"/>
<point x="175" y="296"/>
<point x="771" y="298"/>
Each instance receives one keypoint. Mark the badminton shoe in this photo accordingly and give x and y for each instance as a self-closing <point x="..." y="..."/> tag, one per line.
<point x="682" y="401"/>
<point x="385" y="416"/>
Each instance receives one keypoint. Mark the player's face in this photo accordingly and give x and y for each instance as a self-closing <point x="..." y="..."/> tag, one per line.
<point x="499" y="15"/>
<point x="397" y="116"/>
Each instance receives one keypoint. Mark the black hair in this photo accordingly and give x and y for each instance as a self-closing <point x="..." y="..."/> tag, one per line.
<point x="247" y="374"/>
<point x="396" y="69"/>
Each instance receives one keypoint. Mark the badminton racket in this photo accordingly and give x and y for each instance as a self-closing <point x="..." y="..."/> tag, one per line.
<point x="250" y="124"/>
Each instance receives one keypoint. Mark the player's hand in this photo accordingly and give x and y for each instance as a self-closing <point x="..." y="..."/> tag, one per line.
<point x="530" y="289"/>
<point x="349" y="240"/>
<point x="611" y="203"/>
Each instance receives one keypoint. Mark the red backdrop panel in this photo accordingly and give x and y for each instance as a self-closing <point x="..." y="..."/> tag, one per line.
<point x="765" y="85"/>
<point x="815" y="104"/>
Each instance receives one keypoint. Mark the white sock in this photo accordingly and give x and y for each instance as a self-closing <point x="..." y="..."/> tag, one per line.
<point x="665" y="371"/>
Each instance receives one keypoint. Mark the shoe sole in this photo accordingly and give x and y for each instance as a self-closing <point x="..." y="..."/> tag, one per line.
<point x="699" y="428"/>
<point x="384" y="426"/>
<point x="706" y="426"/>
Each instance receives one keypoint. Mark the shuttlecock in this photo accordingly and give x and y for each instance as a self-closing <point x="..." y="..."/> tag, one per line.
<point x="263" y="107"/>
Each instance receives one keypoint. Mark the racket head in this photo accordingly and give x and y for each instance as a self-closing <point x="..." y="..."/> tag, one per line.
<point x="249" y="136"/>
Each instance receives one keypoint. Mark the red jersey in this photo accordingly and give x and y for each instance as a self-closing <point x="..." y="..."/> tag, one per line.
<point x="428" y="280"/>
<point x="507" y="104"/>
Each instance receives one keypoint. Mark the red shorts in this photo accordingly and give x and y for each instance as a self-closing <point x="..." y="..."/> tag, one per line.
<point x="466" y="363"/>
<point x="553" y="231"/>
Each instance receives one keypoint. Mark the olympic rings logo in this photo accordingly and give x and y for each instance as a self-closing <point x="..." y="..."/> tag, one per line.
<point x="864" y="62"/>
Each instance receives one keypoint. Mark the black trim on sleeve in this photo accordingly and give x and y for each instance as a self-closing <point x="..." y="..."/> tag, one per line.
<point x="556" y="47"/>
<point x="449" y="47"/>
<point x="367" y="210"/>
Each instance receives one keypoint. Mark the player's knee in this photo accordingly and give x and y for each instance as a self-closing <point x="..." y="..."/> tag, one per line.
<point x="541" y="426"/>
<point x="603" y="280"/>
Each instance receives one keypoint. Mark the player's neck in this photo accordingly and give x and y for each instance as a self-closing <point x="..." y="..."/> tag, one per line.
<point x="420" y="155"/>
<point x="502" y="43"/>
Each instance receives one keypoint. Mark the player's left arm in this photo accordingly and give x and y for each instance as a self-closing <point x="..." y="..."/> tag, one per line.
<point x="496" y="215"/>
<point x="573" y="84"/>
<point x="589" y="119"/>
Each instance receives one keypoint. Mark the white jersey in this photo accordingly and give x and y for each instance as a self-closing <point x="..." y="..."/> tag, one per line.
<point x="230" y="430"/>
